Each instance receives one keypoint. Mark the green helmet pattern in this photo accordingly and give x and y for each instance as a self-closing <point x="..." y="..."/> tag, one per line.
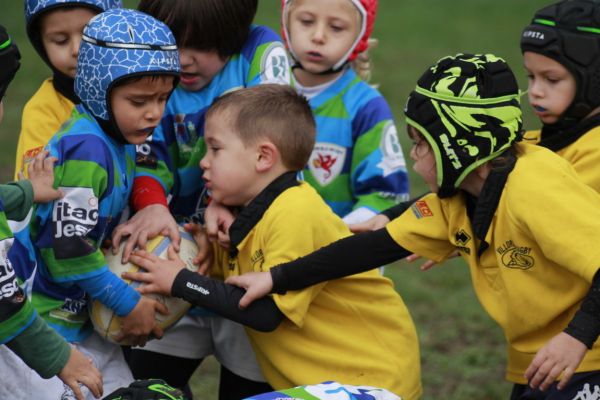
<point x="468" y="109"/>
<point x="149" y="389"/>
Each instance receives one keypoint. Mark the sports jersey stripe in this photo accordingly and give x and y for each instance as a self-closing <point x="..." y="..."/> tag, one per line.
<point x="372" y="113"/>
<point x="62" y="245"/>
<point x="356" y="153"/>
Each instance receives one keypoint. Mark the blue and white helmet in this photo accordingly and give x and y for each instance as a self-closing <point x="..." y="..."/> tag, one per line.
<point x="119" y="44"/>
<point x="34" y="8"/>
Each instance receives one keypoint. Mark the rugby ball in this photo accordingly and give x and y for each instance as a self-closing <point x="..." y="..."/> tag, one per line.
<point x="108" y="324"/>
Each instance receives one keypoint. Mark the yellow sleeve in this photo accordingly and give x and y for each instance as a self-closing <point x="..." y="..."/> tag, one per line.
<point x="43" y="116"/>
<point x="423" y="229"/>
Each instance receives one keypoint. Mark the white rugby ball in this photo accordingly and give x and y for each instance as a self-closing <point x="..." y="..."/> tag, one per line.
<point x="108" y="324"/>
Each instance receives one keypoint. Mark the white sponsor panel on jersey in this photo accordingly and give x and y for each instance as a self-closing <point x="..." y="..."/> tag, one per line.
<point x="76" y="213"/>
<point x="326" y="162"/>
<point x="8" y="282"/>
<point x="393" y="158"/>
<point x="275" y="65"/>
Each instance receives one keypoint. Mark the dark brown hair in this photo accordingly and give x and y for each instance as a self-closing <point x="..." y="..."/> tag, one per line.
<point x="274" y="112"/>
<point x="208" y="25"/>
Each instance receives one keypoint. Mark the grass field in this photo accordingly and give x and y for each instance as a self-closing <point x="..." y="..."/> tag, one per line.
<point x="462" y="349"/>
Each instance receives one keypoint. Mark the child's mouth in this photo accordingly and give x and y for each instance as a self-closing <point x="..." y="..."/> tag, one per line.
<point x="314" y="56"/>
<point x="539" y="108"/>
<point x="188" y="79"/>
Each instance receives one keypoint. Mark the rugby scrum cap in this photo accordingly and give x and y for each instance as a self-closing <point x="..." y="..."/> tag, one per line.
<point x="149" y="389"/>
<point x="367" y="10"/>
<point x="9" y="60"/>
<point x="119" y="44"/>
<point x="35" y="8"/>
<point x="569" y="33"/>
<point x="468" y="109"/>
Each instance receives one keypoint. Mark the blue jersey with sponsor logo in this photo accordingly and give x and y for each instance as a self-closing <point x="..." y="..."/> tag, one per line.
<point x="357" y="161"/>
<point x="58" y="254"/>
<point x="16" y="312"/>
<point x="174" y="151"/>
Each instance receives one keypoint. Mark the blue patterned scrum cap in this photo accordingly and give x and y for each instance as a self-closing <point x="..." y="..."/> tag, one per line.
<point x="117" y="44"/>
<point x="34" y="7"/>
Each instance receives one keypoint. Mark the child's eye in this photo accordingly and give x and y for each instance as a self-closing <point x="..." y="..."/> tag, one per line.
<point x="137" y="103"/>
<point x="337" y="28"/>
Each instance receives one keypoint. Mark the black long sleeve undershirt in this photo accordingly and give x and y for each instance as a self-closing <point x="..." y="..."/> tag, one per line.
<point x="585" y="325"/>
<point x="351" y="255"/>
<point x="262" y="315"/>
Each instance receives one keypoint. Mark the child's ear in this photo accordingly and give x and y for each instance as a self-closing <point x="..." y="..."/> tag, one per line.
<point x="267" y="156"/>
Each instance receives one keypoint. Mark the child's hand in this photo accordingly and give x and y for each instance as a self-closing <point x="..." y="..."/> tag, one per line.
<point x="141" y="323"/>
<point x="561" y="355"/>
<point x="257" y="285"/>
<point x="79" y="369"/>
<point x="204" y="258"/>
<point x="160" y="274"/>
<point x="146" y="224"/>
<point x="217" y="220"/>
<point x="372" y="224"/>
<point x="41" y="176"/>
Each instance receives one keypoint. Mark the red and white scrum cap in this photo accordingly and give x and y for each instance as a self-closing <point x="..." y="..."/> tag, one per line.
<point x="367" y="10"/>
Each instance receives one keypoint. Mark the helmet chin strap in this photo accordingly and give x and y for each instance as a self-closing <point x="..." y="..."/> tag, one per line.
<point x="330" y="71"/>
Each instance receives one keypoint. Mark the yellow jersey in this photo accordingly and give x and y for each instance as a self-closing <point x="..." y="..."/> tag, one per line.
<point x="354" y="330"/>
<point x="543" y="251"/>
<point x="583" y="154"/>
<point x="43" y="116"/>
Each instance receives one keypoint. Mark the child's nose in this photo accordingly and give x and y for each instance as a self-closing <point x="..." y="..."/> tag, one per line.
<point x="319" y="33"/>
<point x="203" y="163"/>
<point x="535" y="88"/>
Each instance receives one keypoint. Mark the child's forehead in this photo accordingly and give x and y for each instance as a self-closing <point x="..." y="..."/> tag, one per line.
<point x="322" y="6"/>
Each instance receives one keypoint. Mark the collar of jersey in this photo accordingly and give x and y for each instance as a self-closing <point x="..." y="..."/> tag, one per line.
<point x="250" y="215"/>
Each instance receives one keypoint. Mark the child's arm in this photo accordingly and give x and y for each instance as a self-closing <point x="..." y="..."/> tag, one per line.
<point x="154" y="177"/>
<point x="348" y="256"/>
<point x="46" y="352"/>
<point x="171" y="278"/>
<point x="564" y="352"/>
<point x="18" y="197"/>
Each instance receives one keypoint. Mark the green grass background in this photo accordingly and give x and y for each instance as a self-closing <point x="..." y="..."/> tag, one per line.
<point x="462" y="350"/>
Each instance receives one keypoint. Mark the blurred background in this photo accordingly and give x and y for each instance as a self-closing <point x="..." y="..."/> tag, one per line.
<point x="462" y="350"/>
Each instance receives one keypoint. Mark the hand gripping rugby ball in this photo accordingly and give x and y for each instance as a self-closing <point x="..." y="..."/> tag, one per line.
<point x="108" y="324"/>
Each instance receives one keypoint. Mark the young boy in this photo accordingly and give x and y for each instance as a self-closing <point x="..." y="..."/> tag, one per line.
<point x="357" y="164"/>
<point x="220" y="51"/>
<point x="258" y="139"/>
<point x="561" y="55"/>
<point x="127" y="68"/>
<point x="21" y="330"/>
<point x="54" y="28"/>
<point x="534" y="268"/>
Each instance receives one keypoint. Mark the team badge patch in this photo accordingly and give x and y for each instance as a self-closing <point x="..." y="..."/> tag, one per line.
<point x="462" y="238"/>
<point x="275" y="65"/>
<point x="421" y="209"/>
<point x="326" y="162"/>
<point x="393" y="158"/>
<point x="514" y="256"/>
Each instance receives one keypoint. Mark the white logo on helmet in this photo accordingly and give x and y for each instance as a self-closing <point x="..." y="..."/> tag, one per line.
<point x="534" y="35"/>
<point x="450" y="151"/>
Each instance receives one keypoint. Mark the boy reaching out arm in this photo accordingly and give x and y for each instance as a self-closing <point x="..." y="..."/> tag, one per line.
<point x="21" y="330"/>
